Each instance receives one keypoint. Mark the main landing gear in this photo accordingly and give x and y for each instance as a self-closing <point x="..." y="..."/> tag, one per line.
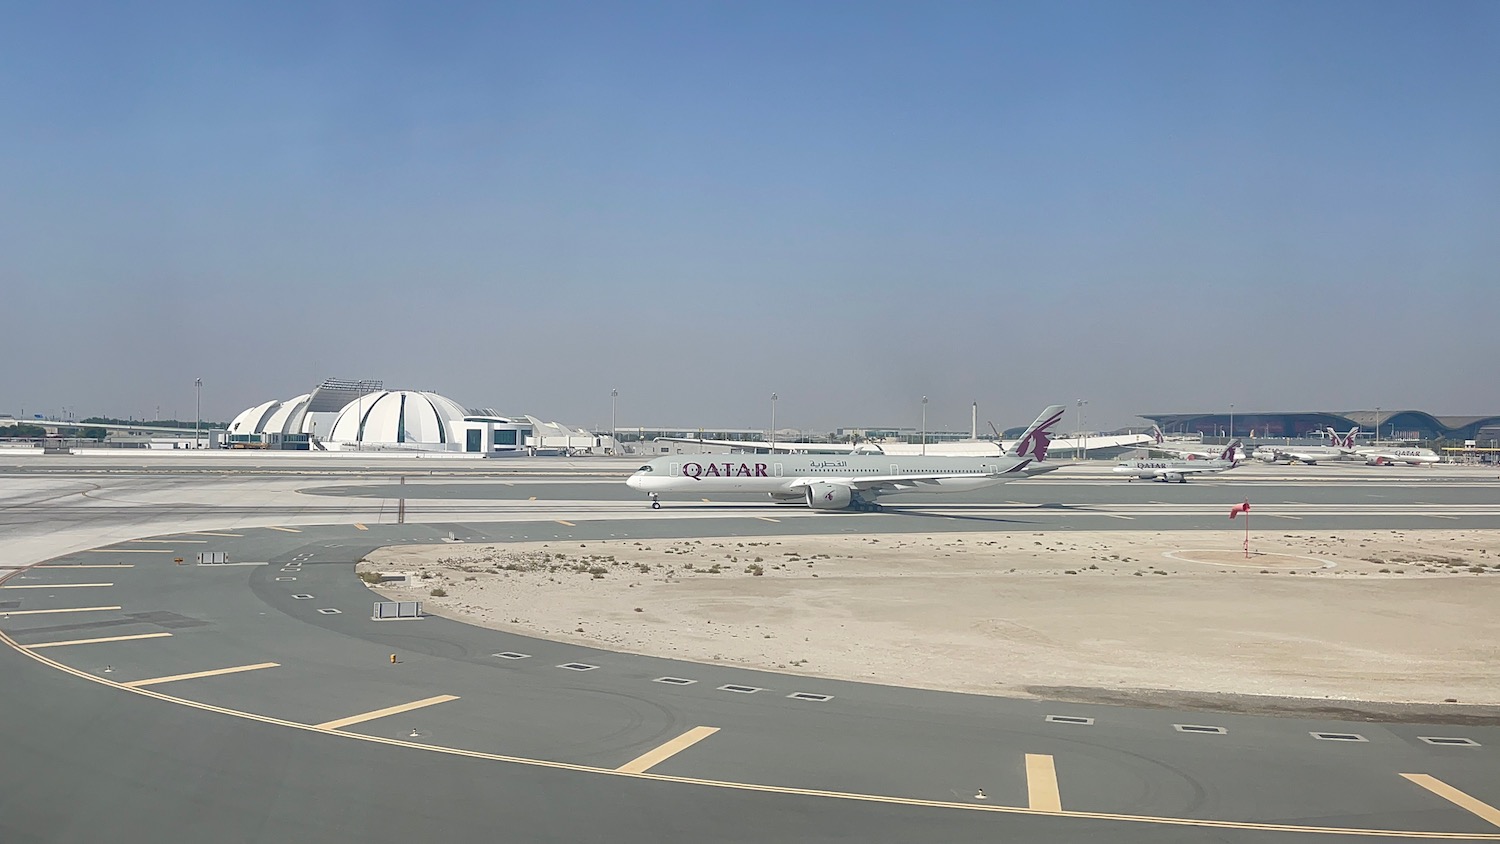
<point x="863" y="506"/>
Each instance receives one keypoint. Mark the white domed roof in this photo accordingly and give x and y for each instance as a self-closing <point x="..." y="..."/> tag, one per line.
<point x="252" y="420"/>
<point x="399" y="417"/>
<point x="288" y="417"/>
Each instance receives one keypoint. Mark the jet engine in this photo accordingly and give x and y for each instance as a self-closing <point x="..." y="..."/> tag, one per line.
<point x="829" y="496"/>
<point x="1174" y="477"/>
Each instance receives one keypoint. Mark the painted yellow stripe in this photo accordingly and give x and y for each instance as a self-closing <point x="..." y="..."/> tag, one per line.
<point x="196" y="674"/>
<point x="1456" y="797"/>
<point x="706" y="501"/>
<point x="1150" y="820"/>
<point x="97" y="641"/>
<point x="171" y="541"/>
<point x="87" y="566"/>
<point x="359" y="526"/>
<point x="565" y="522"/>
<point x="211" y="533"/>
<point x="651" y="758"/>
<point x="1041" y="783"/>
<point x="54" y="585"/>
<point x="768" y="519"/>
<point x="282" y="529"/>
<point x="381" y="713"/>
<point x="532" y="498"/>
<point x="64" y="609"/>
<point x="130" y="551"/>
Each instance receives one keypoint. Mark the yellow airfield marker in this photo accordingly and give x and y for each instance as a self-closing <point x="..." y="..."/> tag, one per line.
<point x="135" y="684"/>
<point x="97" y="641"/>
<point x="381" y="713"/>
<point x="282" y="529"/>
<point x="1041" y="783"/>
<point x="651" y="758"/>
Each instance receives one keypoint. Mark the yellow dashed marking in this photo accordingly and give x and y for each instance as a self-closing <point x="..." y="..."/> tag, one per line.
<point x="359" y="526"/>
<point x="381" y="713"/>
<point x="1456" y="797"/>
<point x="172" y="541"/>
<point x="196" y="674"/>
<point x="87" y="566"/>
<point x="651" y="758"/>
<point x="768" y="519"/>
<point x="282" y="529"/>
<point x="211" y="533"/>
<point x="565" y="522"/>
<point x="97" y="641"/>
<point x="65" y="609"/>
<point x="54" y="585"/>
<point x="130" y="551"/>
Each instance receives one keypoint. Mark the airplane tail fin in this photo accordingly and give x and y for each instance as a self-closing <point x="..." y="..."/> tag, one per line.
<point x="1156" y="432"/>
<point x="1038" y="437"/>
<point x="1349" y="438"/>
<point x="1228" y="453"/>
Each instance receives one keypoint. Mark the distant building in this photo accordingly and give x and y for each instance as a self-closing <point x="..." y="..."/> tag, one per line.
<point x="1394" y="424"/>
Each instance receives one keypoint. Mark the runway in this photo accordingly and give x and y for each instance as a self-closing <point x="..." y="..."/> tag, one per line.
<point x="258" y="702"/>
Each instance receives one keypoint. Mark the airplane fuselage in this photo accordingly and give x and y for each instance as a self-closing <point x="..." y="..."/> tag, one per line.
<point x="786" y="476"/>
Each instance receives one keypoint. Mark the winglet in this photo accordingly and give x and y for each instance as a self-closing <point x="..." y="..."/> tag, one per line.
<point x="1038" y="437"/>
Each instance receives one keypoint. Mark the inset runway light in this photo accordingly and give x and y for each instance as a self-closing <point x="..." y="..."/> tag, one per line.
<point x="980" y="795"/>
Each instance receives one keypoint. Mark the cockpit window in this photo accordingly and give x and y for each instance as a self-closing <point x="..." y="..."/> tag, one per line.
<point x="644" y="469"/>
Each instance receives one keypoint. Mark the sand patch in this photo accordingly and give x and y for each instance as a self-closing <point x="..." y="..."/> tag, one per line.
<point x="1400" y="617"/>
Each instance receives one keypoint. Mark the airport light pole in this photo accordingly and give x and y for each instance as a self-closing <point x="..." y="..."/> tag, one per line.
<point x="924" y="426"/>
<point x="773" y="423"/>
<point x="1231" y="420"/>
<point x="614" y="427"/>
<point x="1083" y="439"/>
<point x="1376" y="441"/>
<point x="198" y="401"/>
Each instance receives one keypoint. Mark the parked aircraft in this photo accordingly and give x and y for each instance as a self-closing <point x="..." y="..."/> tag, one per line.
<point x="1168" y="471"/>
<point x="1386" y="455"/>
<point x="1342" y="447"/>
<point x="1189" y="450"/>
<point x="851" y="482"/>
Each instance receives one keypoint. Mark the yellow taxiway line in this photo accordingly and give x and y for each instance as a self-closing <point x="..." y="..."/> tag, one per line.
<point x="64" y="609"/>
<point x="131" y="551"/>
<point x="54" y="585"/>
<point x="1150" y="820"/>
<point x="1456" y="797"/>
<point x="211" y="533"/>
<point x="98" y="641"/>
<point x="133" y="684"/>
<point x="172" y="541"/>
<point x="1041" y="783"/>
<point x="651" y="758"/>
<point x="358" y="526"/>
<point x="381" y="713"/>
<point x="768" y="519"/>
<point x="565" y="522"/>
<point x="282" y="529"/>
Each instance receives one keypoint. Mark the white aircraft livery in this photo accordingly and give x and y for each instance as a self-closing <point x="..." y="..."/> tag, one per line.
<point x="1386" y="455"/>
<point x="1167" y="471"/>
<point x="845" y="482"/>
<point x="1343" y="446"/>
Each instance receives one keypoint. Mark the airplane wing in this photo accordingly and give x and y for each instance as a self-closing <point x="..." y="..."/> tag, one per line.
<point x="897" y="483"/>
<point x="761" y="445"/>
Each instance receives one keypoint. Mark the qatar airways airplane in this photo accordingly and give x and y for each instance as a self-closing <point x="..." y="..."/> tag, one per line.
<point x="846" y="482"/>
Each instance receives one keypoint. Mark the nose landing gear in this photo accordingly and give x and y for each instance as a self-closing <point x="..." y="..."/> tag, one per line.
<point x="655" y="502"/>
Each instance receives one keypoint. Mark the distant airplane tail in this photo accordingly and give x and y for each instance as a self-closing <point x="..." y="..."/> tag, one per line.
<point x="1343" y="440"/>
<point x="1228" y="452"/>
<point x="1156" y="432"/>
<point x="1038" y="437"/>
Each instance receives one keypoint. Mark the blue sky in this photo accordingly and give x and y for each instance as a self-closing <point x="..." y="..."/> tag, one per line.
<point x="1154" y="206"/>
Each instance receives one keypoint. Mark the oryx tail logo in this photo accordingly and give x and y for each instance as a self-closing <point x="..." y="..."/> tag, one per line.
<point x="1035" y="442"/>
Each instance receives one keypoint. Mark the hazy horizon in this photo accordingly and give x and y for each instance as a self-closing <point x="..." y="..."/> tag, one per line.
<point x="1157" y="207"/>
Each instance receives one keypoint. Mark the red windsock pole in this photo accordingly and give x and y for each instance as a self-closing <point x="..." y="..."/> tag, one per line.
<point x="1235" y="511"/>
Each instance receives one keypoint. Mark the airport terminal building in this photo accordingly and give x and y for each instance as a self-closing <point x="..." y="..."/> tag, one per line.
<point x="1392" y="424"/>
<point x="343" y="415"/>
